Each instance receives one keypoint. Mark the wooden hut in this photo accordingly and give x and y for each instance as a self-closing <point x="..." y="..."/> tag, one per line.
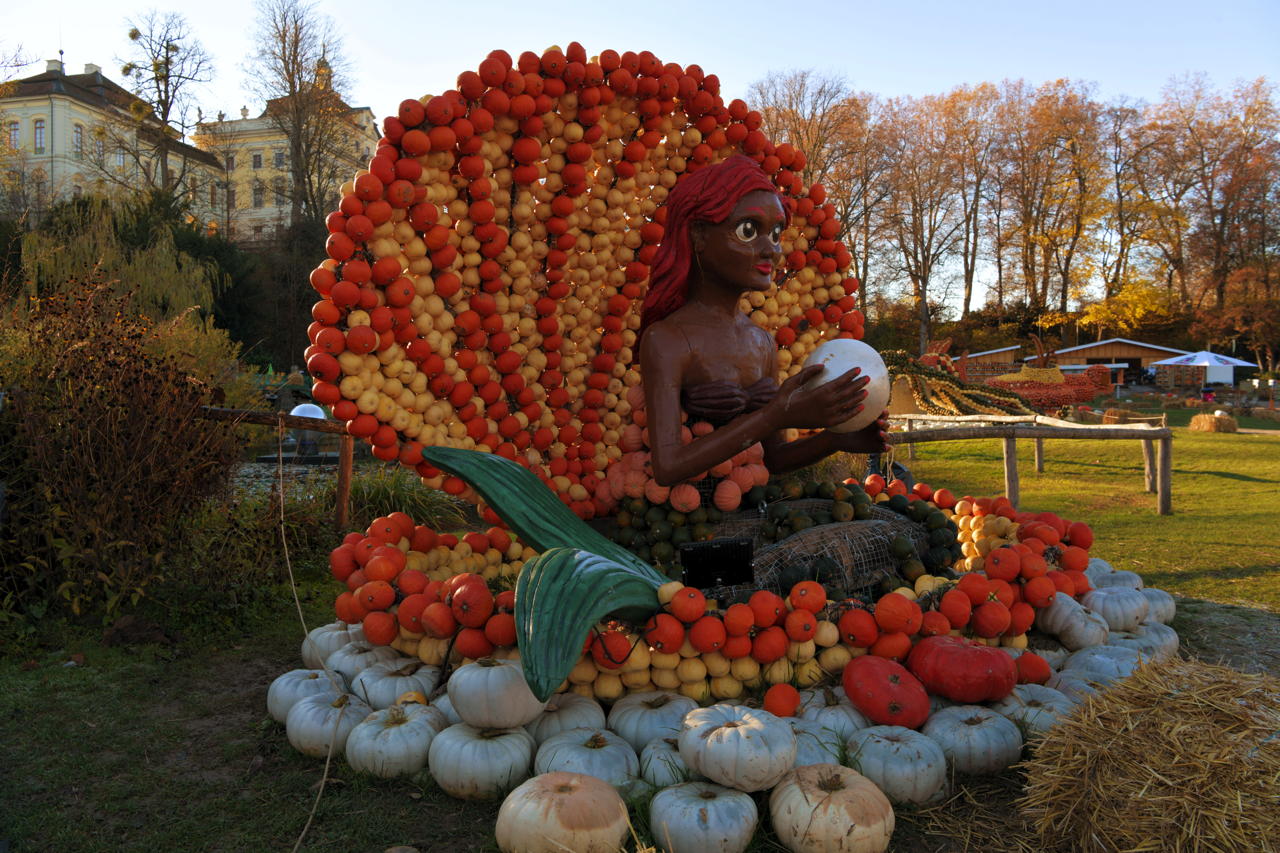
<point x="1126" y="359"/>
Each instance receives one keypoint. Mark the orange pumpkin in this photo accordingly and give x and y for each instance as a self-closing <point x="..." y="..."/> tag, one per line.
<point x="688" y="605"/>
<point x="808" y="595"/>
<point x="957" y="607"/>
<point x="767" y="607"/>
<point x="664" y="633"/>
<point x="895" y="646"/>
<point x="708" y="634"/>
<point x="990" y="619"/>
<point x="800" y="625"/>
<point x="858" y="628"/>
<point x="895" y="612"/>
<point x="727" y="496"/>
<point x="739" y="619"/>
<point x="782" y="700"/>
<point x="684" y="497"/>
<point x="769" y="645"/>
<point x="380" y="627"/>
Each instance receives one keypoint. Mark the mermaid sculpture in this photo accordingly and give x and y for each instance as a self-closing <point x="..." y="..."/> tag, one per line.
<point x="701" y="355"/>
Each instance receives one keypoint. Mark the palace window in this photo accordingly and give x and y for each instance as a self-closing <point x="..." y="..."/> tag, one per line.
<point x="258" y="195"/>
<point x="231" y="198"/>
<point x="15" y="134"/>
<point x="77" y="141"/>
<point x="279" y="160"/>
<point x="257" y="161"/>
<point x="231" y="162"/>
<point x="278" y="188"/>
<point x="38" y="135"/>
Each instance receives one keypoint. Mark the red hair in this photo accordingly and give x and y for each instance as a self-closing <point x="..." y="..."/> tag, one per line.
<point x="707" y="195"/>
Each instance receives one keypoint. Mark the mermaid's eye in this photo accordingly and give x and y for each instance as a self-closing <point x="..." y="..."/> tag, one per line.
<point x="776" y="233"/>
<point x="746" y="230"/>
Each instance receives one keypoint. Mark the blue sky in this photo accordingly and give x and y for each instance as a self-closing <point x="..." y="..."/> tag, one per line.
<point x="1129" y="47"/>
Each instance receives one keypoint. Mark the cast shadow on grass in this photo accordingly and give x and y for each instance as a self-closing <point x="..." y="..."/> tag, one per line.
<point x="1158" y="578"/>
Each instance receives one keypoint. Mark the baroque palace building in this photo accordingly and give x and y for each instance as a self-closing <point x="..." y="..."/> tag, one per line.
<point x="64" y="135"/>
<point x="254" y="151"/>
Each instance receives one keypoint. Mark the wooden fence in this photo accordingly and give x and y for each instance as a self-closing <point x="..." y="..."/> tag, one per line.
<point x="1157" y="467"/>
<point x="346" y="445"/>
<point x="1157" y="464"/>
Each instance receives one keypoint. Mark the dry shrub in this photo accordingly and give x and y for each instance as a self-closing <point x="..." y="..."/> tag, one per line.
<point x="1213" y="423"/>
<point x="1180" y="756"/>
<point x="104" y="452"/>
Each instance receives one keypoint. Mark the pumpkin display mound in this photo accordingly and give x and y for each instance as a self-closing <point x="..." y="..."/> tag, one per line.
<point x="1179" y="756"/>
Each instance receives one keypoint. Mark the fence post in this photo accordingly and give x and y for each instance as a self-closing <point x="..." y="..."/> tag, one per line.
<point x="1149" y="465"/>
<point x="1039" y="455"/>
<point x="1011" y="470"/>
<point x="1164" y="480"/>
<point x="911" y="448"/>
<point x="346" y="451"/>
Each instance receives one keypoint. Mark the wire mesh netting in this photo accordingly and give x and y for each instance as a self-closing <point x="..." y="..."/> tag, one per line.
<point x="860" y="549"/>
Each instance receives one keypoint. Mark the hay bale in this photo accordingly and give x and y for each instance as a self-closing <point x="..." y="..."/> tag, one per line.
<point x="1213" y="423"/>
<point x="1116" y="416"/>
<point x="1181" y="755"/>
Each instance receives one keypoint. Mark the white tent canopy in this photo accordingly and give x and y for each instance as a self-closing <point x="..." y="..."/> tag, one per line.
<point x="1218" y="367"/>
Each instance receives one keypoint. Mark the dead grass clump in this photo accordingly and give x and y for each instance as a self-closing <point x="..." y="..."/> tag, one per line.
<point x="1213" y="423"/>
<point x="1180" y="756"/>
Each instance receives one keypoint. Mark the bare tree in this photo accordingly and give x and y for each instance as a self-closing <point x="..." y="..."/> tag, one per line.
<point x="299" y="70"/>
<point x="809" y="110"/>
<point x="969" y="112"/>
<point x="165" y="65"/>
<point x="923" y="211"/>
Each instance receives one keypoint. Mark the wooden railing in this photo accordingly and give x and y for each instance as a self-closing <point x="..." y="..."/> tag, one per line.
<point x="1157" y="467"/>
<point x="346" y="445"/>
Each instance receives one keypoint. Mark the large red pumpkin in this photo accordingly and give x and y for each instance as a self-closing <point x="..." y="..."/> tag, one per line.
<point x="885" y="692"/>
<point x="962" y="671"/>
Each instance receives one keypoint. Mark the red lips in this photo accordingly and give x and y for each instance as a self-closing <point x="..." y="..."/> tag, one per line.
<point x="765" y="268"/>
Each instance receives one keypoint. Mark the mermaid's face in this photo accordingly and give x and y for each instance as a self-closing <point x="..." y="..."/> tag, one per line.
<point x="741" y="251"/>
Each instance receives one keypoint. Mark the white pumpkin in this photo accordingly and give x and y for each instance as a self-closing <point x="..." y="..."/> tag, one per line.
<point x="445" y="706"/>
<point x="1160" y="605"/>
<point x="815" y="743"/>
<point x="661" y="765"/>
<point x="1074" y="685"/>
<point x="324" y="641"/>
<point x="566" y="711"/>
<point x="480" y="764"/>
<point x="907" y="765"/>
<point x="394" y="741"/>
<point x="738" y="747"/>
<point x="838" y="357"/>
<point x="357" y="656"/>
<point x="1053" y="653"/>
<point x="975" y="740"/>
<point x="820" y="696"/>
<point x="492" y="694"/>
<point x="702" y="817"/>
<point x="296" y="684"/>
<point x="1129" y="580"/>
<point x="825" y="808"/>
<point x="641" y="717"/>
<point x="1034" y="708"/>
<point x="836" y="713"/>
<point x="1104" y="664"/>
<point x="322" y="721"/>
<point x="1096" y="568"/>
<point x="1153" y="640"/>
<point x="383" y="683"/>
<point x="596" y="752"/>
<point x="1123" y="608"/>
<point x="558" y="812"/>
<point x="1075" y="626"/>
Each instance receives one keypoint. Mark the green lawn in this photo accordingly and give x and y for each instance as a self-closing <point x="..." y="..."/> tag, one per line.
<point x="1221" y="543"/>
<point x="170" y="748"/>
